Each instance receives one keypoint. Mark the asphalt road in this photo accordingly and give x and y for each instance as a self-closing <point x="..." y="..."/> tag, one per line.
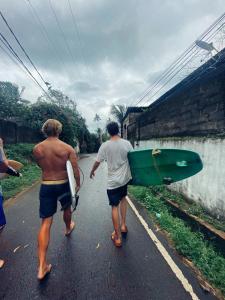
<point x="86" y="265"/>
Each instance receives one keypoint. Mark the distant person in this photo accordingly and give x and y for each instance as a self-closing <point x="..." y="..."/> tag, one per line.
<point x="4" y="168"/>
<point x="114" y="152"/>
<point x="51" y="155"/>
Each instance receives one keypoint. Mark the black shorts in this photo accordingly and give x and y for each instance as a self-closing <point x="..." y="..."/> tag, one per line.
<point x="116" y="195"/>
<point x="50" y="194"/>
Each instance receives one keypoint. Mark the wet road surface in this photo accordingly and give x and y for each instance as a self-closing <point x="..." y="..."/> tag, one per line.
<point x="86" y="265"/>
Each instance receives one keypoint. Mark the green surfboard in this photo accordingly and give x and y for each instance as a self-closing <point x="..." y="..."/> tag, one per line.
<point x="162" y="166"/>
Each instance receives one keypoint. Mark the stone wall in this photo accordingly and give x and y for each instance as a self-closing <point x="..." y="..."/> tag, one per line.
<point x="195" y="107"/>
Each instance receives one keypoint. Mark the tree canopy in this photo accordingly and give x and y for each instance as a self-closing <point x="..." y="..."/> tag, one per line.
<point x="118" y="112"/>
<point x="58" y="106"/>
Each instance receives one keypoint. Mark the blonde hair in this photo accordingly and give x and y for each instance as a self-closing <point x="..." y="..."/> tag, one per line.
<point x="52" y="127"/>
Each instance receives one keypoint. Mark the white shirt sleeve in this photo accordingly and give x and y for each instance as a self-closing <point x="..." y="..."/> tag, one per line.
<point x="101" y="154"/>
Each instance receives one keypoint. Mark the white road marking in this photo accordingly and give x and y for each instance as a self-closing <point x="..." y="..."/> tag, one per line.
<point x="176" y="270"/>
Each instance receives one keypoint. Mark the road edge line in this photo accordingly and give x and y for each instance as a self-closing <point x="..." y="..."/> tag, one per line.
<point x="176" y="270"/>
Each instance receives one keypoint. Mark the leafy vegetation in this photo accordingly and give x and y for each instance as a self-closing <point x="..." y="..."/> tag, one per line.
<point x="188" y="243"/>
<point x="31" y="172"/>
<point x="118" y="112"/>
<point x="57" y="105"/>
<point x="190" y="207"/>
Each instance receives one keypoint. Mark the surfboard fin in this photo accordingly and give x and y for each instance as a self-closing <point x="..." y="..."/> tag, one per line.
<point x="167" y="180"/>
<point x="156" y="152"/>
<point x="182" y="163"/>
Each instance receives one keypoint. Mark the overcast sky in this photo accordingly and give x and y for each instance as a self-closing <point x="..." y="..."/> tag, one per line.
<point x="117" y="49"/>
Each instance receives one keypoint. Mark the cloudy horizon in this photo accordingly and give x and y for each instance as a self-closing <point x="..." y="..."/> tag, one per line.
<point x="109" y="53"/>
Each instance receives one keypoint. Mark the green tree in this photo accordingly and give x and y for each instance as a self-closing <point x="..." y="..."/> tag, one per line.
<point x="58" y="98"/>
<point x="41" y="111"/>
<point x="118" y="112"/>
<point x="12" y="106"/>
<point x="97" y="118"/>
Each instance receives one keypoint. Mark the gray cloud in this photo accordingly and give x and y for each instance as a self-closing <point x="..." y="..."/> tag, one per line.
<point x="83" y="87"/>
<point x="123" y="46"/>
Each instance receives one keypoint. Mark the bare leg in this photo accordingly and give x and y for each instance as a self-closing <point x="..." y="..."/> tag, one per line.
<point x="1" y="263"/>
<point x="43" y="241"/>
<point x="67" y="217"/>
<point x="116" y="224"/>
<point x="123" y="212"/>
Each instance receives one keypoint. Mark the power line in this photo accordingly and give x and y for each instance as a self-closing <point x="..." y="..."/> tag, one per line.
<point x="24" y="51"/>
<point x="186" y="63"/>
<point x="21" y="62"/>
<point x="61" y="30"/>
<point x="11" y="57"/>
<point x="169" y="69"/>
<point x="62" y="33"/>
<point x="77" y="33"/>
<point x="179" y="61"/>
<point x="45" y="32"/>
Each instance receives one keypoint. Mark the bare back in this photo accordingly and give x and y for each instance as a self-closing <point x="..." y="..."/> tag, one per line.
<point x="51" y="155"/>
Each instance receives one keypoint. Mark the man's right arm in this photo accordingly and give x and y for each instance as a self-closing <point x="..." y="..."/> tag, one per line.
<point x="100" y="158"/>
<point x="73" y="160"/>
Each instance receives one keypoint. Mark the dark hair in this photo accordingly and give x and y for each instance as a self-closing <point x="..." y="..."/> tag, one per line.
<point x="112" y="128"/>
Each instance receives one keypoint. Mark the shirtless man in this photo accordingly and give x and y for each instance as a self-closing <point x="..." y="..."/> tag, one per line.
<point x="51" y="155"/>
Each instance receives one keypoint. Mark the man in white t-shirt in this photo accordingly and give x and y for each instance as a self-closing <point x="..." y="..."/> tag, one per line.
<point x="114" y="152"/>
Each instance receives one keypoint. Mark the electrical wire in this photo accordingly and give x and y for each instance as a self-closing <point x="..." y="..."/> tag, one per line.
<point x="24" y="51"/>
<point x="61" y="30"/>
<point x="183" y="55"/>
<point x="22" y="63"/>
<point x="11" y="57"/>
<point x="78" y="34"/>
<point x="177" y="62"/>
<point x="191" y="79"/>
<point x="44" y="32"/>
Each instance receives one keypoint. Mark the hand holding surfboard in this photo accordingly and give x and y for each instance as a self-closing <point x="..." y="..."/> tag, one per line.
<point x="72" y="184"/>
<point x="14" y="166"/>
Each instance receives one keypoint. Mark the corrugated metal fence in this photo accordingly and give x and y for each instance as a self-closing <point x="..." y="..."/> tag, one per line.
<point x="12" y="133"/>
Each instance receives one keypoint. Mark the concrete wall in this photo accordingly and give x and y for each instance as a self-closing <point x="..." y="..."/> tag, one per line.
<point x="207" y="187"/>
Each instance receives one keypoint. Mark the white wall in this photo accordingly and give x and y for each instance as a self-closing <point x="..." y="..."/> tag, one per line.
<point x="208" y="186"/>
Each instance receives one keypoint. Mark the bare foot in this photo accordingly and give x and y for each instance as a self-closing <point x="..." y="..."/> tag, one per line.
<point x="2" y="262"/>
<point x="68" y="231"/>
<point x="116" y="240"/>
<point x="44" y="272"/>
<point x="124" y="229"/>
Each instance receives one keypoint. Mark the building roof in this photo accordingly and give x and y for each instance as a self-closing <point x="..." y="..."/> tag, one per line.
<point x="133" y="109"/>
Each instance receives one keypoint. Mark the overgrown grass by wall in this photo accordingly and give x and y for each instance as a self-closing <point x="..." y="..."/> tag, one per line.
<point x="31" y="172"/>
<point x="187" y="242"/>
<point x="188" y="206"/>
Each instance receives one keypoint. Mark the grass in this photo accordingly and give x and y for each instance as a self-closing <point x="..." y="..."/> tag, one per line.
<point x="187" y="242"/>
<point x="191" y="208"/>
<point x="31" y="172"/>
